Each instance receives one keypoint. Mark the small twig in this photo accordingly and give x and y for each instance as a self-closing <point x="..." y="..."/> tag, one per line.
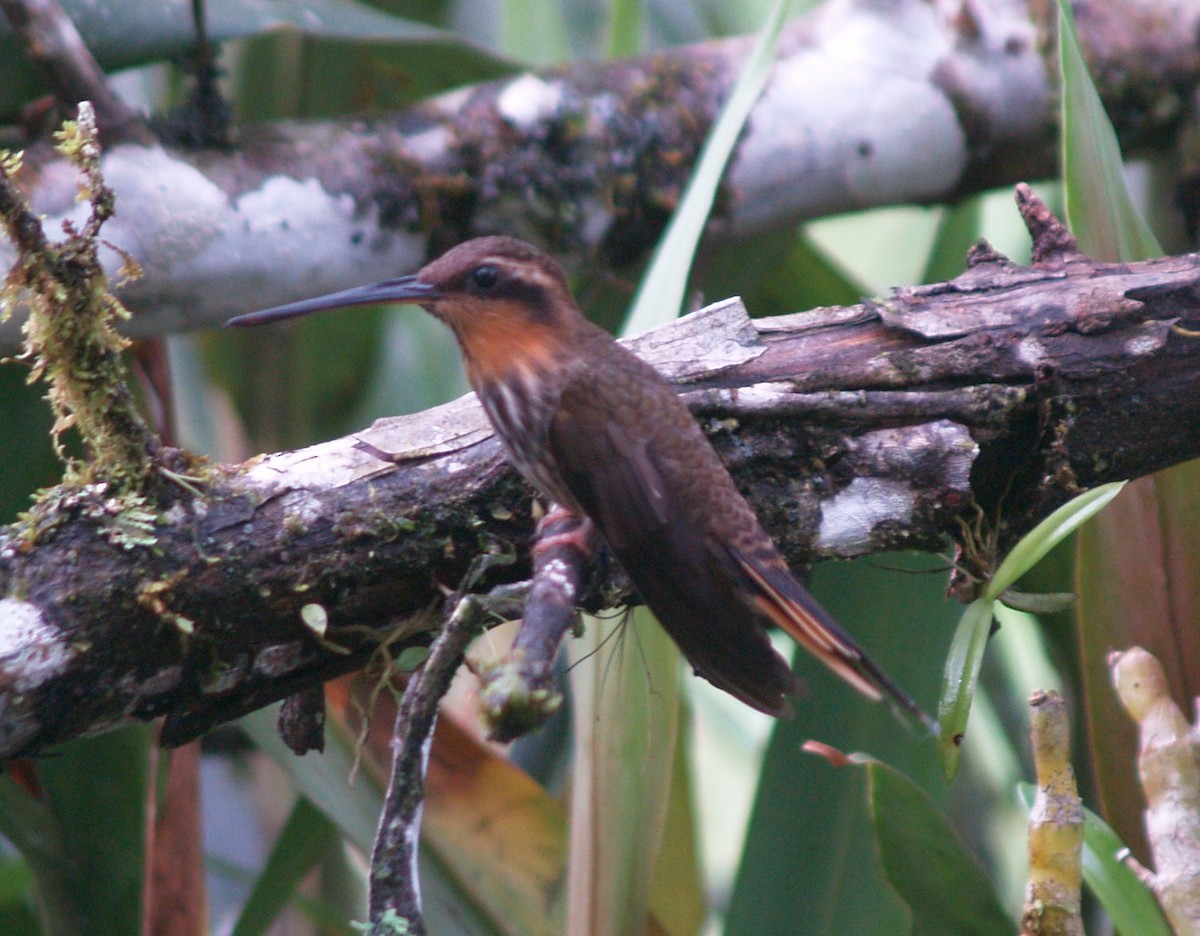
<point x="205" y="119"/>
<point x="1052" y="240"/>
<point x="53" y="42"/>
<point x="518" y="692"/>
<point x="395" y="887"/>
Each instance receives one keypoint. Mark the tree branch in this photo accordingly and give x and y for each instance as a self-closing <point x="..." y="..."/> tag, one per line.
<point x="869" y="104"/>
<point x="51" y="40"/>
<point x="993" y="397"/>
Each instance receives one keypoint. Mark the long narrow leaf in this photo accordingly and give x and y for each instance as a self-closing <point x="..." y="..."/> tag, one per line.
<point x="1099" y="209"/>
<point x="661" y="295"/>
<point x="124" y="33"/>
<point x="1135" y="573"/>
<point x="1048" y="534"/>
<point x="810" y="865"/>
<point x="626" y="697"/>
<point x="29" y="826"/>
<point x="302" y="842"/>
<point x="492" y="839"/>
<point x="945" y="887"/>
<point x="958" y="683"/>
<point x="534" y="31"/>
<point x="966" y="651"/>
<point x="625" y="27"/>
<point x="96" y="789"/>
<point x="1135" y="565"/>
<point x="324" y="780"/>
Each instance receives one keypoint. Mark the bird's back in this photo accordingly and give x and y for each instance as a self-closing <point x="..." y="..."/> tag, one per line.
<point x="638" y="464"/>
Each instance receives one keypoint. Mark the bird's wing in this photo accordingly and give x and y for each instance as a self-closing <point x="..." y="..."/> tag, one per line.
<point x="616" y="480"/>
<point x="610" y="474"/>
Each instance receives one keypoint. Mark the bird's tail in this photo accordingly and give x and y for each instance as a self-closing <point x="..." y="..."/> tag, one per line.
<point x="785" y="602"/>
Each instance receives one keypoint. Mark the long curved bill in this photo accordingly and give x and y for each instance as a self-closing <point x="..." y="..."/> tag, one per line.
<point x="402" y="289"/>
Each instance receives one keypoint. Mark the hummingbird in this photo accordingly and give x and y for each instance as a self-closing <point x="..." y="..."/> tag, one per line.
<point x="601" y="434"/>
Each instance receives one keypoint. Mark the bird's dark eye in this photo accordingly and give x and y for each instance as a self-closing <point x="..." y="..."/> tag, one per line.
<point x="485" y="277"/>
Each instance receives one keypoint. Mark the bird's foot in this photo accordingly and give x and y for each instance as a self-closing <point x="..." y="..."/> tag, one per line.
<point x="563" y="527"/>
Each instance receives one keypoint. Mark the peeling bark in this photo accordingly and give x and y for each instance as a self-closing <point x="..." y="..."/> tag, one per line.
<point x="992" y="398"/>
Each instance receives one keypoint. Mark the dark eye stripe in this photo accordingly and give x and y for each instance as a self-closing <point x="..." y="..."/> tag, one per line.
<point x="520" y="290"/>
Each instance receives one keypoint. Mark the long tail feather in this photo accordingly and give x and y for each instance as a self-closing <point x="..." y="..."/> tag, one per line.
<point x="784" y="601"/>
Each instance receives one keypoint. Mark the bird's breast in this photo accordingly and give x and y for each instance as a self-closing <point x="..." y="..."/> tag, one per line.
<point x="521" y="406"/>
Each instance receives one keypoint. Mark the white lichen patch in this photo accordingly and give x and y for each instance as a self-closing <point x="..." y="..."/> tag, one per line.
<point x="849" y="518"/>
<point x="429" y="145"/>
<point x="1147" y="342"/>
<point x="32" y="649"/>
<point x="1031" y="351"/>
<point x="184" y="228"/>
<point x="527" y="100"/>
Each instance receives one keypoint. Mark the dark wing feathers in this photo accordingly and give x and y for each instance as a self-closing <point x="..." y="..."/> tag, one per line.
<point x="666" y="506"/>
<point x="615" y="480"/>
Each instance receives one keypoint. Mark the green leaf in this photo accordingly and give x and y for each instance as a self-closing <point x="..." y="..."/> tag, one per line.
<point x="627" y="710"/>
<point x="16" y="899"/>
<point x="17" y="917"/>
<point x="84" y="839"/>
<point x="26" y="420"/>
<point x="30" y="828"/>
<point x="1136" y="577"/>
<point x="799" y="274"/>
<point x="1101" y="214"/>
<point x="471" y="878"/>
<point x="945" y="887"/>
<point x="304" y="839"/>
<point x="957" y="233"/>
<point x="625" y="28"/>
<point x="324" y="780"/>
<point x="625" y="698"/>
<point x="958" y="684"/>
<point x="1048" y="534"/>
<point x="677" y="898"/>
<point x="1038" y="602"/>
<point x="810" y="864"/>
<point x="1133" y="910"/>
<point x="534" y="32"/>
<point x="663" y="288"/>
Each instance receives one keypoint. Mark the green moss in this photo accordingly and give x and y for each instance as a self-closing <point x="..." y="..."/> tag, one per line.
<point x="73" y="345"/>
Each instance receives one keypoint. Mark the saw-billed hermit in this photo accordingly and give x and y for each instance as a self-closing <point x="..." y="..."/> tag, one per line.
<point x="600" y="433"/>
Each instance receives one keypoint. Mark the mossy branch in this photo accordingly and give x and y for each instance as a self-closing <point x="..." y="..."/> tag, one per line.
<point x="71" y="337"/>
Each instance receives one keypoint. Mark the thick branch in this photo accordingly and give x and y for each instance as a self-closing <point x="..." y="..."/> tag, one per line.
<point x="852" y="430"/>
<point x="869" y="104"/>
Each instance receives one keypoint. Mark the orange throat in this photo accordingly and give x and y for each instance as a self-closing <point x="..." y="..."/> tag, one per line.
<point x="501" y="345"/>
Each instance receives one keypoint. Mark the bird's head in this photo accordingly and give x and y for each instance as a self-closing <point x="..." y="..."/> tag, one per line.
<point x="508" y="304"/>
